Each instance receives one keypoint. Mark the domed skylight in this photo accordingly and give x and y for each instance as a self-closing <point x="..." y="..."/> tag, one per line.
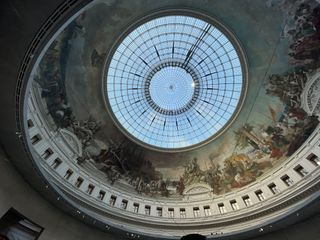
<point x="174" y="82"/>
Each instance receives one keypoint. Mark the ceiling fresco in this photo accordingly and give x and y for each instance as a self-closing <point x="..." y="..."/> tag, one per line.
<point x="269" y="129"/>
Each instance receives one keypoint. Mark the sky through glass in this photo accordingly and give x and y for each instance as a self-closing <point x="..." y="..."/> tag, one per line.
<point x="174" y="82"/>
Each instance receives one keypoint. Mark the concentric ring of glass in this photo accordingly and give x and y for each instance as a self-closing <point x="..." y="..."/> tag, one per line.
<point x="174" y="82"/>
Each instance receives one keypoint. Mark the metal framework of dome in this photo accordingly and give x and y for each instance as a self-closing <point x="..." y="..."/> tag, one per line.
<point x="174" y="82"/>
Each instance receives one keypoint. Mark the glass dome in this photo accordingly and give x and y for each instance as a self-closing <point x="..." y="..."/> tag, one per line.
<point x="174" y="82"/>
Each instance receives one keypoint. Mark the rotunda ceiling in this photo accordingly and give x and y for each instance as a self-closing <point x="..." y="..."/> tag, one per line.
<point x="168" y="86"/>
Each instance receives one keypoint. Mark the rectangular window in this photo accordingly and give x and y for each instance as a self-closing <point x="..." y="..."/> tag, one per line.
<point x="301" y="171"/>
<point x="234" y="205"/>
<point x="171" y="212"/>
<point x="246" y="200"/>
<point x="136" y="207"/>
<point x="90" y="189"/>
<point x="183" y="213"/>
<point x="101" y="195"/>
<point x="287" y="180"/>
<point x="259" y="195"/>
<point x="35" y="139"/>
<point x="30" y="123"/>
<point x="124" y="204"/>
<point x="222" y="208"/>
<point x="56" y="163"/>
<point x="17" y="226"/>
<point x="196" y="212"/>
<point x="273" y="188"/>
<point x="68" y="174"/>
<point x="47" y="153"/>
<point x="79" y="182"/>
<point x="159" y="211"/>
<point x="147" y="210"/>
<point x="113" y="200"/>
<point x="314" y="159"/>
<point x="207" y="210"/>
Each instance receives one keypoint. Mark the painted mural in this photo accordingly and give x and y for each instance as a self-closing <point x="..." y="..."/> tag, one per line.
<point x="274" y="128"/>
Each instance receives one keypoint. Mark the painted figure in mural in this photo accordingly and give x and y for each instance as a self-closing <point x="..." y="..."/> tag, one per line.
<point x="125" y="161"/>
<point x="96" y="58"/>
<point x="85" y="157"/>
<point x="287" y="87"/>
<point x="213" y="177"/>
<point x="303" y="33"/>
<point x="244" y="137"/>
<point x="180" y="186"/>
<point x="193" y="173"/>
<point x="85" y="130"/>
<point x="294" y="126"/>
<point x="236" y="174"/>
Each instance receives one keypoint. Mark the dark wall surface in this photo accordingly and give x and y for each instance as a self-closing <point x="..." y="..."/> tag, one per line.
<point x="16" y="193"/>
